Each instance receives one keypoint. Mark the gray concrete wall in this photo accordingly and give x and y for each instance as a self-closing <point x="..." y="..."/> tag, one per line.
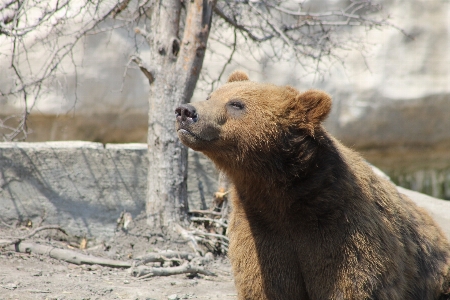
<point x="85" y="186"/>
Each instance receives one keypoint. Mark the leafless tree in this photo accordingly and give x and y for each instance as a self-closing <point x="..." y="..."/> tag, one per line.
<point x="177" y="32"/>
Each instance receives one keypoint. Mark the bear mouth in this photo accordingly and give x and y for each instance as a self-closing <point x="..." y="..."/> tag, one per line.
<point x="184" y="132"/>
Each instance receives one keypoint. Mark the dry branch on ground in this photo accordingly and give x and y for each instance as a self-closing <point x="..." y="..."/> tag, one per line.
<point x="145" y="272"/>
<point x="162" y="257"/>
<point x="67" y="255"/>
<point x="165" y="263"/>
<point x="209" y="227"/>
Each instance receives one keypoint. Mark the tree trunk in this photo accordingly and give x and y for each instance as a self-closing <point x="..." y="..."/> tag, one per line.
<point x="175" y="67"/>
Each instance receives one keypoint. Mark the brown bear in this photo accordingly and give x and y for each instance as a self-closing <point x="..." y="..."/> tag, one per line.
<point x="310" y="219"/>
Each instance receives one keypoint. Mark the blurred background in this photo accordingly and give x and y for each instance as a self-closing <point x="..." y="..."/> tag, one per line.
<point x="390" y="83"/>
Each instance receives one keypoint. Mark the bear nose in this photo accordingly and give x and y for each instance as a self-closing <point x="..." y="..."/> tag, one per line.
<point x="185" y="112"/>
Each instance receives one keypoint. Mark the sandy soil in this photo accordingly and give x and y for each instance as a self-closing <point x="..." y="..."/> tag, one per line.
<point x="33" y="276"/>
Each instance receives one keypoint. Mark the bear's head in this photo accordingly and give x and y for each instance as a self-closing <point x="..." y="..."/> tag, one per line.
<point x="244" y="123"/>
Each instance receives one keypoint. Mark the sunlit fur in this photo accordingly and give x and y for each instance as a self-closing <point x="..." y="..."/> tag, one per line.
<point x="310" y="219"/>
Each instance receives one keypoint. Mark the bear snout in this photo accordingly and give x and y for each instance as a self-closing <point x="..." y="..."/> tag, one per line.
<point x="186" y="113"/>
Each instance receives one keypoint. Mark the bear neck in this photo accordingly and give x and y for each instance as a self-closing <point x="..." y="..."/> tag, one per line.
<point x="291" y="176"/>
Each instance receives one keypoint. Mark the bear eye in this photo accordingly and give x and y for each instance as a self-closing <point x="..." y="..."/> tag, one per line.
<point x="236" y="104"/>
<point x="209" y="97"/>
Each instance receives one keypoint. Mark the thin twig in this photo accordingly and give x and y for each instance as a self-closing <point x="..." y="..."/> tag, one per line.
<point x="18" y="240"/>
<point x="43" y="217"/>
<point x="220" y="236"/>
<point x="227" y="63"/>
<point x="242" y="28"/>
<point x="6" y="224"/>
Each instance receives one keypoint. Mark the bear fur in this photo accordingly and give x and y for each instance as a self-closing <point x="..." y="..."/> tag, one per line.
<point x="310" y="219"/>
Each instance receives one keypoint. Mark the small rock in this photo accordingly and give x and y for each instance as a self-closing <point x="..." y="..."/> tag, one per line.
<point x="209" y="257"/>
<point x="173" y="297"/>
<point x="13" y="286"/>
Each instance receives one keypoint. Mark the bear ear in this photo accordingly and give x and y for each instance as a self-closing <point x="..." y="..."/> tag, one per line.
<point x="238" y="76"/>
<point x="317" y="105"/>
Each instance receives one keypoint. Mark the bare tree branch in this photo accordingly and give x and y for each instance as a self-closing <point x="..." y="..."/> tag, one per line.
<point x="60" y="26"/>
<point x="311" y="36"/>
<point x="227" y="63"/>
<point x="119" y="8"/>
<point x="240" y="27"/>
<point x="276" y="29"/>
<point x="143" y="68"/>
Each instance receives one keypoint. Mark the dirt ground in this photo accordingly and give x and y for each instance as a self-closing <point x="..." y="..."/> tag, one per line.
<point x="34" y="276"/>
